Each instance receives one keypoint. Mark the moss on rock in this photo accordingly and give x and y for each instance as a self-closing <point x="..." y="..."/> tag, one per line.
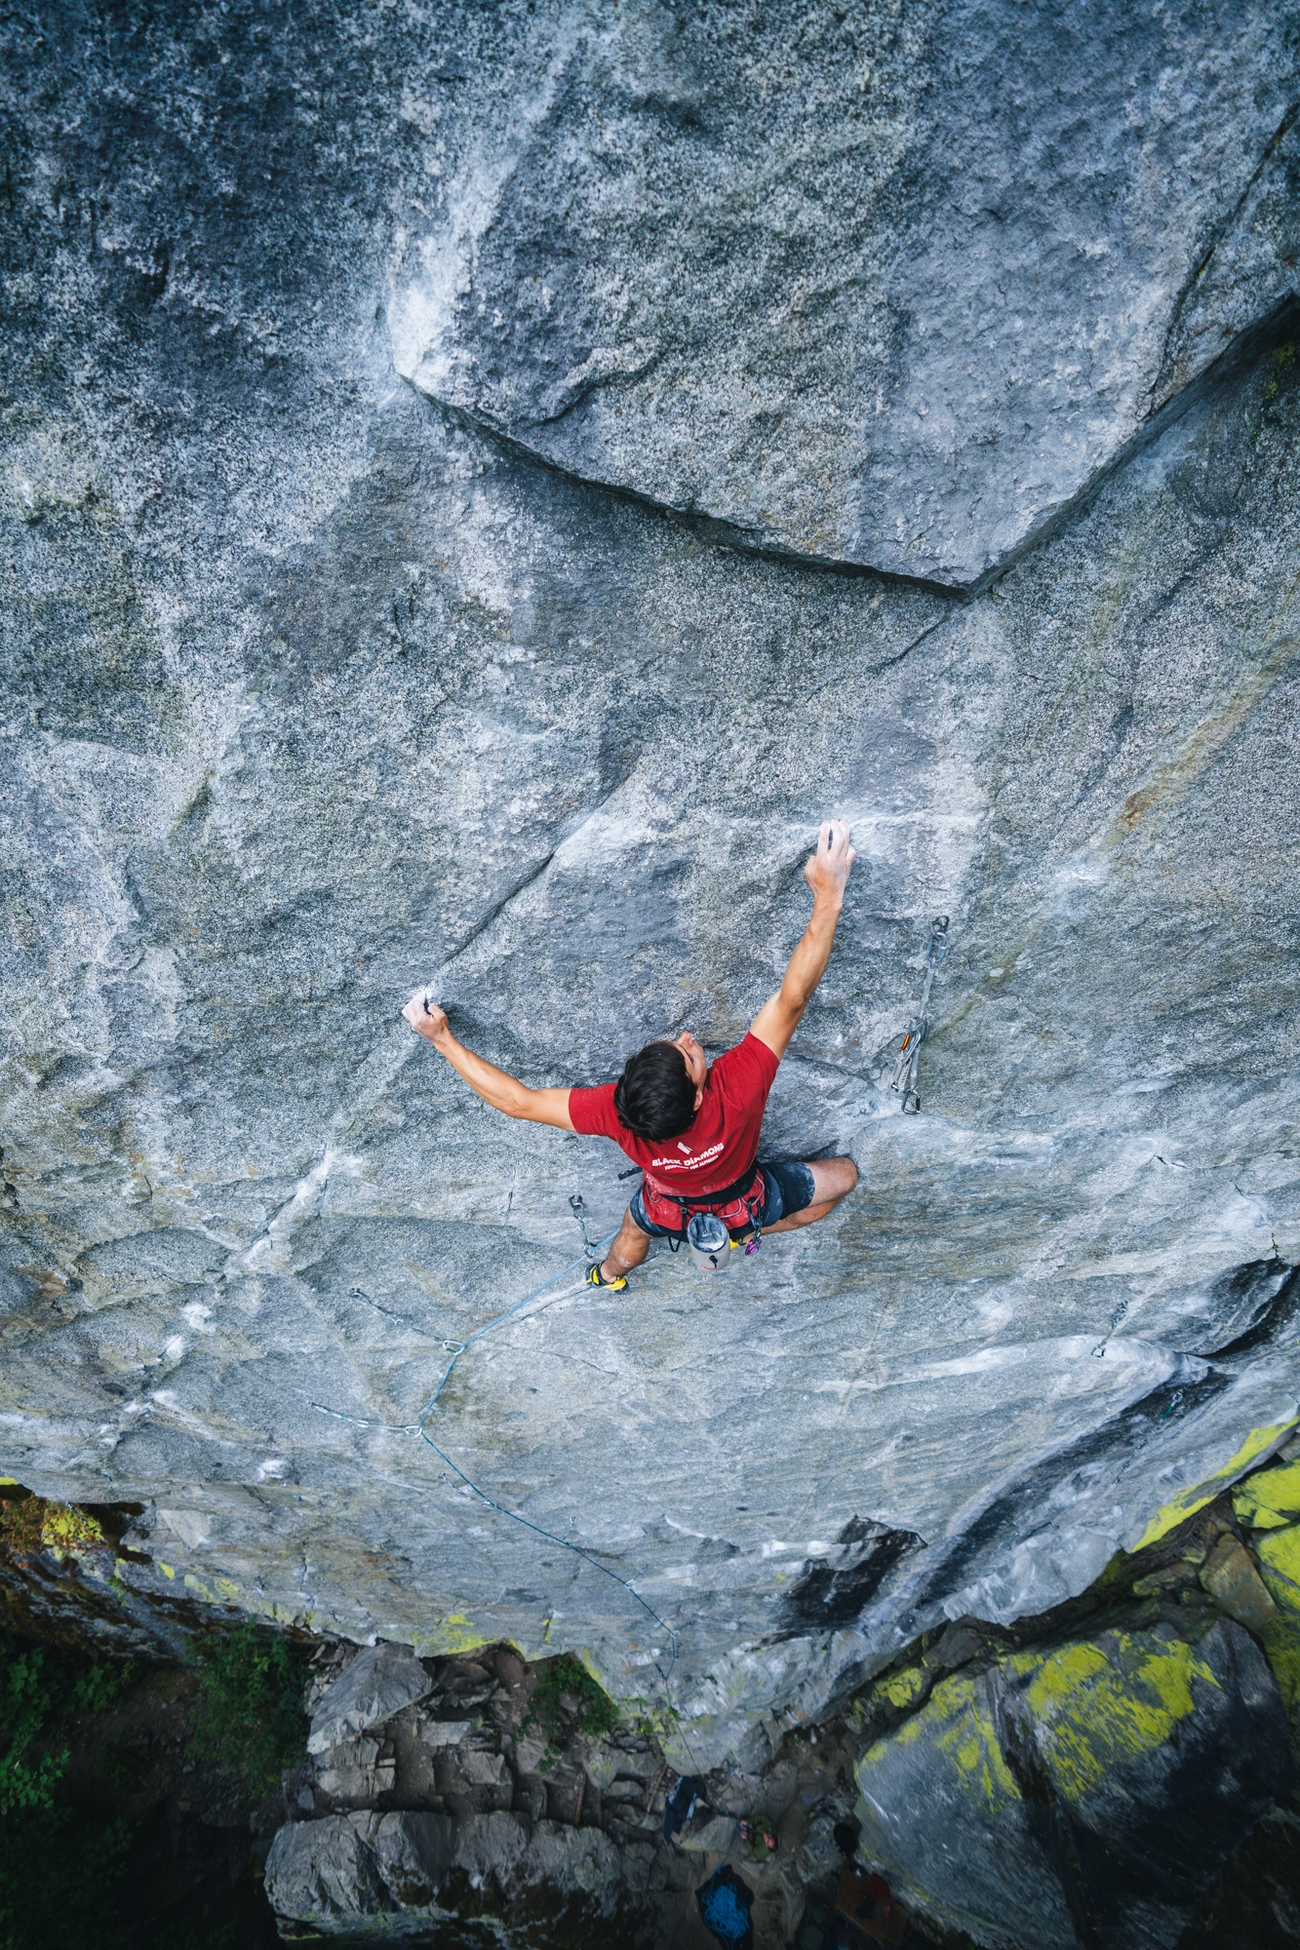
<point x="1270" y="1499"/>
<point x="1059" y="1790"/>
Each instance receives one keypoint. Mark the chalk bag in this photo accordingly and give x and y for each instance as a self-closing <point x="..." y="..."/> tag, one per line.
<point x="710" y="1242"/>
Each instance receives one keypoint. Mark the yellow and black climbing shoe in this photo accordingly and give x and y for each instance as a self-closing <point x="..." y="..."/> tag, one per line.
<point x="594" y="1279"/>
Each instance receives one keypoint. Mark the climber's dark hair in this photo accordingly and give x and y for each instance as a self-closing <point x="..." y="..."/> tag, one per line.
<point x="655" y="1096"/>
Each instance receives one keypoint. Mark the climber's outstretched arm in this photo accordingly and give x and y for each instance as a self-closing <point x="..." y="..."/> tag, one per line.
<point x="495" y="1087"/>
<point x="827" y="873"/>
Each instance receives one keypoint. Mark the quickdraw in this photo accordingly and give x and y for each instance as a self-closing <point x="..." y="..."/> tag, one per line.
<point x="909" y="1054"/>
<point x="579" y="1211"/>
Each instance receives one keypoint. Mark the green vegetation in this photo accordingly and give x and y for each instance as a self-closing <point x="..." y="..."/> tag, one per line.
<point x="39" y="1691"/>
<point x="27" y="1779"/>
<point x="96" y="1688"/>
<point x="73" y="1875"/>
<point x="566" y="1678"/>
<point x="248" y="1716"/>
<point x="57" y="1868"/>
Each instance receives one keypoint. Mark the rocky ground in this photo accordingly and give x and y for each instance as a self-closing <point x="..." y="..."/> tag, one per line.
<point x="1126" y="1759"/>
<point x="363" y="630"/>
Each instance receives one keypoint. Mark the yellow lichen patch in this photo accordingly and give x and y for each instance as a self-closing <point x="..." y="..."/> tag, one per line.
<point x="1270" y="1499"/>
<point x="67" y="1530"/>
<point x="971" y="1743"/>
<point x="30" y="1523"/>
<point x="1256" y="1516"/>
<point x="1060" y="1676"/>
<point x="1189" y="1501"/>
<point x="900" y="1688"/>
<point x="956" y="1725"/>
<point x="1100" y="1705"/>
<point x="453" y="1634"/>
<point x="1278" y="1552"/>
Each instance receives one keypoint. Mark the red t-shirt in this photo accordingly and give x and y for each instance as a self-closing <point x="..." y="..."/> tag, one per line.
<point x="719" y="1143"/>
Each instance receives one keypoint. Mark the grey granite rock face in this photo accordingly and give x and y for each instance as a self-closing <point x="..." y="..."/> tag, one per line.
<point x="314" y="692"/>
<point x="878" y="285"/>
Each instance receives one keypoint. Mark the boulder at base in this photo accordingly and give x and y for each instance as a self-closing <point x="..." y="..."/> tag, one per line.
<point x="379" y="1682"/>
<point x="383" y="1875"/>
<point x="1093" y="1793"/>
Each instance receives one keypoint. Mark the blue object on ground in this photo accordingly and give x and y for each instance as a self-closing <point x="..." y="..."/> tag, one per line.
<point x="724" y="1909"/>
<point x="724" y="1912"/>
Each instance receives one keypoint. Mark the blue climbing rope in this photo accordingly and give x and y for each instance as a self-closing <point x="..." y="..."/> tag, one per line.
<point x="456" y="1349"/>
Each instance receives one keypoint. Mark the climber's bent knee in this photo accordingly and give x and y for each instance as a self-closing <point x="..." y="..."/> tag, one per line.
<point x="814" y="1190"/>
<point x="833" y="1179"/>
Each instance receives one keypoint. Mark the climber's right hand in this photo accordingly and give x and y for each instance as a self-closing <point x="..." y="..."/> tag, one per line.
<point x="426" y="1017"/>
<point x="827" y="872"/>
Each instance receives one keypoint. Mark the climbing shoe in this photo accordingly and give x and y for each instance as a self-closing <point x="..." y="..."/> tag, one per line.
<point x="594" y="1279"/>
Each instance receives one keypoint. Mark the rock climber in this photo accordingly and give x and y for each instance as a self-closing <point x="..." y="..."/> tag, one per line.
<point x="692" y="1125"/>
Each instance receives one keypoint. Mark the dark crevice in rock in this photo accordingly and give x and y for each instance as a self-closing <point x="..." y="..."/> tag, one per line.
<point x="1253" y="1303"/>
<point x="1252" y="343"/>
<point x="708" y="528"/>
<point x="1122" y="1436"/>
<point x="830" y="1596"/>
<point x="885" y="663"/>
<point x="498" y="908"/>
<point x="1224" y="229"/>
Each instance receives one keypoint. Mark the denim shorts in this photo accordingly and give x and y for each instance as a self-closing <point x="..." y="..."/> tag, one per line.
<point x="789" y="1188"/>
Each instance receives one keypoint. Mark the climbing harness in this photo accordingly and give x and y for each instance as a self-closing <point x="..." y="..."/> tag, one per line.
<point x="737" y="1206"/>
<point x="456" y="1349"/>
<point x="712" y="1228"/>
<point x="909" y="1054"/>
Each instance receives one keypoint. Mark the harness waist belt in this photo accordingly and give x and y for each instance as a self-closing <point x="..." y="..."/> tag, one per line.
<point x="723" y="1196"/>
